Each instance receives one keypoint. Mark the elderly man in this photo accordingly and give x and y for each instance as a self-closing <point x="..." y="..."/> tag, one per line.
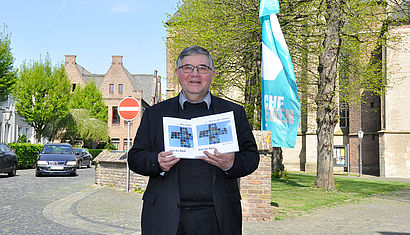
<point x="192" y="196"/>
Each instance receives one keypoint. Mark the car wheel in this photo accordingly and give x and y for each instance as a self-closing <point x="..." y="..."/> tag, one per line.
<point x="38" y="174"/>
<point x="13" y="171"/>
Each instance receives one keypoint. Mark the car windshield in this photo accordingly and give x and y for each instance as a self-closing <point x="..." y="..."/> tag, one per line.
<point x="55" y="149"/>
<point x="77" y="151"/>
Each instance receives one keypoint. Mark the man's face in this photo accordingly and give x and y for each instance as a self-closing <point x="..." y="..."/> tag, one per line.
<point x="195" y="85"/>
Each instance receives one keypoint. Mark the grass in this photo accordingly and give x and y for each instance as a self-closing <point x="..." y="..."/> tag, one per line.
<point x="296" y="195"/>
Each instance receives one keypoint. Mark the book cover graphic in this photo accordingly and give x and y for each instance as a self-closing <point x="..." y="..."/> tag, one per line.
<point x="190" y="138"/>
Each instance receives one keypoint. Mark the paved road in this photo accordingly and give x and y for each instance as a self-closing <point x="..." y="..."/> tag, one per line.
<point x="23" y="198"/>
<point x="69" y="205"/>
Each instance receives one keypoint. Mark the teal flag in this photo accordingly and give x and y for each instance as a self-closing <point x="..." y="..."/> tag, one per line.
<point x="280" y="100"/>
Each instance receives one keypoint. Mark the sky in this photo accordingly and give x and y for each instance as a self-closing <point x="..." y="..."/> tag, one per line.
<point x="93" y="30"/>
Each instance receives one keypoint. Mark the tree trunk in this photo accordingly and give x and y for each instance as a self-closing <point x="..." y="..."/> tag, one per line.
<point x="277" y="160"/>
<point x="326" y="99"/>
<point x="253" y="94"/>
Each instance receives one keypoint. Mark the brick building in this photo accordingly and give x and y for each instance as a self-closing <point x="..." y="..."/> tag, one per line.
<point x="384" y="120"/>
<point x="116" y="84"/>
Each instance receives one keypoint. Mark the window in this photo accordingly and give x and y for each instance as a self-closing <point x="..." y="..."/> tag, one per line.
<point x="120" y="88"/>
<point x="126" y="143"/>
<point x="111" y="89"/>
<point x="344" y="115"/>
<point x="20" y="131"/>
<point x="116" y="142"/>
<point x="115" y="115"/>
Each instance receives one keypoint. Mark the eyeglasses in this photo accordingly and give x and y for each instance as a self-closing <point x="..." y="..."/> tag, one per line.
<point x="202" y="69"/>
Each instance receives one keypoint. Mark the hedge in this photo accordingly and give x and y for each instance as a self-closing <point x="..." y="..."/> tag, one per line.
<point x="95" y="152"/>
<point x="27" y="154"/>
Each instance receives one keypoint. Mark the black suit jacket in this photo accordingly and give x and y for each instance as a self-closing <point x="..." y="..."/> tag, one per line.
<point x="160" y="214"/>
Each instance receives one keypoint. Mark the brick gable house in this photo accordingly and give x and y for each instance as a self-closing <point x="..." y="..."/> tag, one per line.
<point x="116" y="84"/>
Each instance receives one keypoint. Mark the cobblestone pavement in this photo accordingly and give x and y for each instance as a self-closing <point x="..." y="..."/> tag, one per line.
<point x="82" y="209"/>
<point x="23" y="198"/>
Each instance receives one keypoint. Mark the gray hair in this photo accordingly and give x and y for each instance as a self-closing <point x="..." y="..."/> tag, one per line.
<point x="195" y="50"/>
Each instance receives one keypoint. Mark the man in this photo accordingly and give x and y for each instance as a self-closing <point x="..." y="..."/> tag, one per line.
<point x="192" y="196"/>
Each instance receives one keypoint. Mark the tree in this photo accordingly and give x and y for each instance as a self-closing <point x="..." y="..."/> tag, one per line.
<point x="79" y="124"/>
<point x="334" y="44"/>
<point x="42" y="92"/>
<point x="343" y="40"/>
<point x="231" y="31"/>
<point x="89" y="98"/>
<point x="86" y="119"/>
<point x="7" y="73"/>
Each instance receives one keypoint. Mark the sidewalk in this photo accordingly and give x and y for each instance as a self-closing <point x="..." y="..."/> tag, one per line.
<point x="105" y="210"/>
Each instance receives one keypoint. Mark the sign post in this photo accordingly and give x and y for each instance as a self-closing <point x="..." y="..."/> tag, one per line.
<point x="129" y="109"/>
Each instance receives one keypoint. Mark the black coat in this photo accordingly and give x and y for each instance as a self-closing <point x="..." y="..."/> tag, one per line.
<point x="160" y="214"/>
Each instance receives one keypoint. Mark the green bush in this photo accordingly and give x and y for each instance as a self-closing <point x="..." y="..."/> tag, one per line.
<point x="27" y="154"/>
<point x="95" y="152"/>
<point x="22" y="139"/>
<point x="278" y="174"/>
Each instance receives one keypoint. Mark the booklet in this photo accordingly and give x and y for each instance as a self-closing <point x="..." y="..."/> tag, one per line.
<point x="189" y="138"/>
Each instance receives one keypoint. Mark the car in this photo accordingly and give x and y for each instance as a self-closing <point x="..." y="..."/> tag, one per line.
<point x="56" y="159"/>
<point x="84" y="157"/>
<point x="8" y="160"/>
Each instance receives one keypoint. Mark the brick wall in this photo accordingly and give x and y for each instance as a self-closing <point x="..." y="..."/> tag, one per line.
<point x="255" y="188"/>
<point x="114" y="174"/>
<point x="111" y="171"/>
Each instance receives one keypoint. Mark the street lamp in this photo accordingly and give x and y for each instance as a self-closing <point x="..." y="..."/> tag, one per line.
<point x="360" y="134"/>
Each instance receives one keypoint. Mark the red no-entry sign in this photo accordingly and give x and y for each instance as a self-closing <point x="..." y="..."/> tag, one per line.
<point x="129" y="108"/>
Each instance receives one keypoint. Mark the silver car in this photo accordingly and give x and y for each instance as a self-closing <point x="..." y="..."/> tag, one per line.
<point x="56" y="159"/>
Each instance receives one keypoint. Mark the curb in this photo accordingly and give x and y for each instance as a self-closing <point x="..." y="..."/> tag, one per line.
<point x="64" y="212"/>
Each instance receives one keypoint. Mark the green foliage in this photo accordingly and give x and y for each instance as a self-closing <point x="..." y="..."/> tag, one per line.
<point x="139" y="190"/>
<point x="79" y="125"/>
<point x="279" y="174"/>
<point x="95" y="152"/>
<point x="89" y="98"/>
<point x="22" y="139"/>
<point x="89" y="128"/>
<point x="42" y="92"/>
<point x="110" y="146"/>
<point x="8" y="75"/>
<point x="86" y="120"/>
<point x="335" y="47"/>
<point x="27" y="154"/>
<point x="231" y="31"/>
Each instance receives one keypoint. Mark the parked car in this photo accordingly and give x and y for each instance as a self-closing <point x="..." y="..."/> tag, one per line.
<point x="84" y="157"/>
<point x="56" y="159"/>
<point x="8" y="160"/>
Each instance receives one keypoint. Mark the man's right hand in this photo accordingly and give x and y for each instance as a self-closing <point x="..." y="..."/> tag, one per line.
<point x="166" y="160"/>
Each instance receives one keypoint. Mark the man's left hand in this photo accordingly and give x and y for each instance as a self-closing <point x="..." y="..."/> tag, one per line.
<point x="221" y="160"/>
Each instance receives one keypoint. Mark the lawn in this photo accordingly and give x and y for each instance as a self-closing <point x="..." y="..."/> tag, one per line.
<point x="296" y="195"/>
